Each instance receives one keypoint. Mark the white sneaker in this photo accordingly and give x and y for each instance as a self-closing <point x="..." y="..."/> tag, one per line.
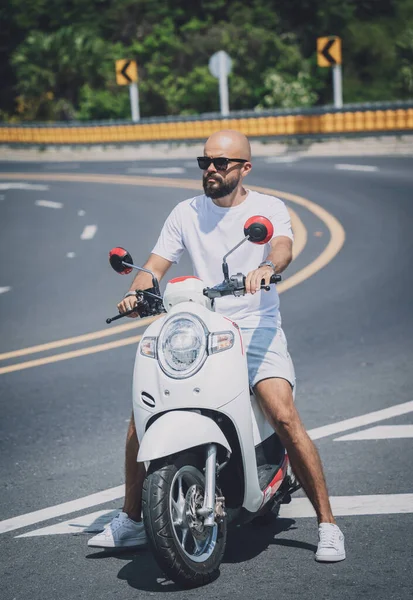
<point x="121" y="532"/>
<point x="331" y="545"/>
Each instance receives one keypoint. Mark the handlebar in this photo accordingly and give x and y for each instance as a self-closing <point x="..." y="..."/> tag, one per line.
<point x="150" y="304"/>
<point x="235" y="286"/>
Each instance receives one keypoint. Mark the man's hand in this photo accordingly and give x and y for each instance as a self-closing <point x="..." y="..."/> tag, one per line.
<point x="127" y="304"/>
<point x="254" y="278"/>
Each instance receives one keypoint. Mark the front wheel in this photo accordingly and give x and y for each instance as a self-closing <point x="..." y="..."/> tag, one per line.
<point x="187" y="551"/>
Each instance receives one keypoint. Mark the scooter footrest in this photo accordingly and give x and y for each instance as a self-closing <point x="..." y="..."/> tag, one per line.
<point x="266" y="474"/>
<point x="286" y="499"/>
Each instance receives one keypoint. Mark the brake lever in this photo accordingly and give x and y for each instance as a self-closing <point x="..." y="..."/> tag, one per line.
<point x="120" y="315"/>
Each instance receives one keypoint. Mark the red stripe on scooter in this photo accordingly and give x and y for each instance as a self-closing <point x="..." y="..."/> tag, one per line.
<point x="239" y="331"/>
<point x="275" y="483"/>
<point x="183" y="278"/>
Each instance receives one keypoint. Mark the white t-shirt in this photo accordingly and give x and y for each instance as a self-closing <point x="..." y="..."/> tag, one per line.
<point x="208" y="232"/>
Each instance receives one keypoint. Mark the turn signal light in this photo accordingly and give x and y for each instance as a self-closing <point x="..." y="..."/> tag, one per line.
<point x="220" y="341"/>
<point x="148" y="347"/>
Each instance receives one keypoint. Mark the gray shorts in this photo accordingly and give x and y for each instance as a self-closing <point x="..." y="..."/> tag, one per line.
<point x="267" y="355"/>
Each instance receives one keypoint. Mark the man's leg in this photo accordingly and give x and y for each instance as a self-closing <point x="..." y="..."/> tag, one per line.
<point x="134" y="475"/>
<point x="277" y="402"/>
<point x="126" y="529"/>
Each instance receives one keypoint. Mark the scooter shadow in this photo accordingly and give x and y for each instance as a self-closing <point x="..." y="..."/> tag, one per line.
<point x="247" y="542"/>
<point x="243" y="544"/>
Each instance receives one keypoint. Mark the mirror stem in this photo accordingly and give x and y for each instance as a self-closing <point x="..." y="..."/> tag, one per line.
<point x="225" y="270"/>
<point x="155" y="282"/>
<point x="224" y="260"/>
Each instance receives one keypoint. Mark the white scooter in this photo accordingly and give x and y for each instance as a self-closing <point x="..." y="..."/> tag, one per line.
<point x="211" y="456"/>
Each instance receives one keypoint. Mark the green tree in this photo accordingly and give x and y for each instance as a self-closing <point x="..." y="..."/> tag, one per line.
<point x="51" y="69"/>
<point x="57" y="56"/>
<point x="288" y="92"/>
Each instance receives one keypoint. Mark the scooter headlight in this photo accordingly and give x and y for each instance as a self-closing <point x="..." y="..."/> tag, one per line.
<point x="182" y="346"/>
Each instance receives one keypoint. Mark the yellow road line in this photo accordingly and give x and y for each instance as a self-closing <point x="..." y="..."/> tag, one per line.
<point x="66" y="355"/>
<point x="337" y="239"/>
<point x="298" y="226"/>
<point x="79" y="339"/>
<point x="333" y="247"/>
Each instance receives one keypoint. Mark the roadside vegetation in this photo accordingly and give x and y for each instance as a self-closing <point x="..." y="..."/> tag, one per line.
<point x="58" y="56"/>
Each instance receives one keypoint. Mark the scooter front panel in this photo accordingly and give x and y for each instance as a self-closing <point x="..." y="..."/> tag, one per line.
<point x="222" y="377"/>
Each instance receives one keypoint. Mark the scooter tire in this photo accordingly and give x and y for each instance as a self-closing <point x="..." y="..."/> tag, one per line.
<point x="162" y="537"/>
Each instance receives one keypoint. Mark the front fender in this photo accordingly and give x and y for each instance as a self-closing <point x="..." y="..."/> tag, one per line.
<point x="179" y="430"/>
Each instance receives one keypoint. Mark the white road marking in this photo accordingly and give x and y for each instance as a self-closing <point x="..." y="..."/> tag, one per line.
<point x="373" y="417"/>
<point x="89" y="232"/>
<point x="345" y="506"/>
<point x="61" y="167"/>
<point x="299" y="508"/>
<point x="90" y="523"/>
<point x="157" y="170"/>
<point x="380" y="432"/>
<point x="70" y="255"/>
<point x="24" y="186"/>
<point x="5" y="289"/>
<point x="48" y="204"/>
<point x="118" y="492"/>
<point x="344" y="167"/>
<point x="282" y="159"/>
<point x="81" y="213"/>
<point x="62" y="509"/>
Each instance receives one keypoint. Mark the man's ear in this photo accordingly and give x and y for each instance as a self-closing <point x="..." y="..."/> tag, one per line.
<point x="247" y="168"/>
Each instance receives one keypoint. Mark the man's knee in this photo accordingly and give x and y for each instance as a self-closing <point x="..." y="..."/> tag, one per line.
<point x="277" y="401"/>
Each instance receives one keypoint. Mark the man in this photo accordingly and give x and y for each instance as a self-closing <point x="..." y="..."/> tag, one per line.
<point x="208" y="226"/>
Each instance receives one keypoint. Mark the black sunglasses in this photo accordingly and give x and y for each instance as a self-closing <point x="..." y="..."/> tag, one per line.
<point x="220" y="163"/>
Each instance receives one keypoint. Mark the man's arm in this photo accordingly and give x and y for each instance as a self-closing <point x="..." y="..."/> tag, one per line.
<point x="155" y="263"/>
<point x="280" y="255"/>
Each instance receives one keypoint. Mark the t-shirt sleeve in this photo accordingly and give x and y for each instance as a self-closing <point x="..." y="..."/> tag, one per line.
<point x="280" y="218"/>
<point x="170" y="243"/>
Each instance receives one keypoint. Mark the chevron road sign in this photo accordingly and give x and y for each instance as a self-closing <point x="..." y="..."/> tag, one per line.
<point x="329" y="55"/>
<point x="328" y="51"/>
<point x="127" y="74"/>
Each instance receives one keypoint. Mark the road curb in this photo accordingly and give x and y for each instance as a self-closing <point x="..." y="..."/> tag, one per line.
<point x="370" y="146"/>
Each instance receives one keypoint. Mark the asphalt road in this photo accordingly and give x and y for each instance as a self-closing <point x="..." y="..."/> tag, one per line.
<point x="63" y="424"/>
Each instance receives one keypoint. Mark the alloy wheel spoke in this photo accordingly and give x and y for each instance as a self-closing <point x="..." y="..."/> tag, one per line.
<point x="184" y="536"/>
<point x="181" y="496"/>
<point x="176" y="511"/>
<point x="198" y="546"/>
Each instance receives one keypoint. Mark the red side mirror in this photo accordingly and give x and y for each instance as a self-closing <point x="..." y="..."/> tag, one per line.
<point x="258" y="229"/>
<point x="116" y="257"/>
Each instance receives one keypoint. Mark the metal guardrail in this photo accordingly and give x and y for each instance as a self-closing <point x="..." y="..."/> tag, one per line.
<point x="324" y="121"/>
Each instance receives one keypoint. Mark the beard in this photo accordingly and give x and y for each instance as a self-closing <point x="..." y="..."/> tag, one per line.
<point x="218" y="189"/>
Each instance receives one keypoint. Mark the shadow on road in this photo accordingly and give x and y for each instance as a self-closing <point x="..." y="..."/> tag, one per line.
<point x="247" y="542"/>
<point x="243" y="544"/>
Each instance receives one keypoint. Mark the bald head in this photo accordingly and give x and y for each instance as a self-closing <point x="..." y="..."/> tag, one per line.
<point x="229" y="143"/>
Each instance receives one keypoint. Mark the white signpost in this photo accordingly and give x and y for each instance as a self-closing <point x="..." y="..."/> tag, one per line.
<point x="220" y="65"/>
